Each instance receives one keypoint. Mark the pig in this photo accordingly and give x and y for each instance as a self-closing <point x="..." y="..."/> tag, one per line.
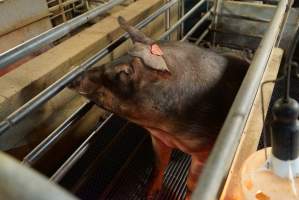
<point x="177" y="91"/>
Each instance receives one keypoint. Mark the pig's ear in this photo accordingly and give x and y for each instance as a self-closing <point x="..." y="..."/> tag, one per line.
<point x="150" y="55"/>
<point x="135" y="34"/>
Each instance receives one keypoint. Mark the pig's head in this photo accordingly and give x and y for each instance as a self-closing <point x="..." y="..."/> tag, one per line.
<point x="122" y="85"/>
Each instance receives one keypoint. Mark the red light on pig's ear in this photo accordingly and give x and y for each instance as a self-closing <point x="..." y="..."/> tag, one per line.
<point x="156" y="50"/>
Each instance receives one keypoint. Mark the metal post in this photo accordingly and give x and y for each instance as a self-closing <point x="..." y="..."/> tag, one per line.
<point x="220" y="159"/>
<point x="52" y="35"/>
<point x="56" y="87"/>
<point x="217" y="8"/>
<point x="188" y="14"/>
<point x="182" y="14"/>
<point x="167" y="20"/>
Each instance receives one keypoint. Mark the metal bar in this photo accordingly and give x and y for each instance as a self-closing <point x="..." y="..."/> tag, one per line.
<point x="62" y="4"/>
<point x="63" y="169"/>
<point x="286" y="16"/>
<point x="182" y="14"/>
<point x="194" y="28"/>
<point x="60" y="131"/>
<point x="66" y="11"/>
<point x="167" y="20"/>
<point x="188" y="14"/>
<point x="61" y="8"/>
<point x="220" y="159"/>
<point x="217" y="8"/>
<point x="204" y="34"/>
<point x="20" y="182"/>
<point x="56" y="87"/>
<point x="52" y="35"/>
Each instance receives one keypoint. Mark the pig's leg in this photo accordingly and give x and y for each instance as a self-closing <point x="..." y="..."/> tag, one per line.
<point x="162" y="157"/>
<point x="197" y="162"/>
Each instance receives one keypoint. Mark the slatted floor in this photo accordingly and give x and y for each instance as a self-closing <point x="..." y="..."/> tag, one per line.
<point x="118" y="165"/>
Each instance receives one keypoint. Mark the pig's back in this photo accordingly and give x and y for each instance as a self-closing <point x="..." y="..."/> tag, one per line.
<point x="206" y="83"/>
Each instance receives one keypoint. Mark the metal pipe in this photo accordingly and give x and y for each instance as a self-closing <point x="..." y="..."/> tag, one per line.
<point x="188" y="14"/>
<point x="220" y="159"/>
<point x="57" y="86"/>
<point x="217" y="8"/>
<point x="20" y="182"/>
<point x="52" y="35"/>
<point x="194" y="28"/>
<point x="204" y="34"/>
<point x="60" y="131"/>
<point x="167" y="20"/>
<point x="63" y="169"/>
<point x="182" y="12"/>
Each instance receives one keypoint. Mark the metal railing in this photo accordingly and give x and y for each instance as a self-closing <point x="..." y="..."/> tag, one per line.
<point x="60" y="84"/>
<point x="58" y="133"/>
<point x="37" y="152"/>
<point x="221" y="157"/>
<point x="52" y="35"/>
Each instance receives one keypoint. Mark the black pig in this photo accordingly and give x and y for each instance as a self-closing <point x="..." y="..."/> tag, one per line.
<point x="177" y="91"/>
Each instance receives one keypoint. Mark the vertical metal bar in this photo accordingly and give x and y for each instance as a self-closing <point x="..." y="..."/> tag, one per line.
<point x="217" y="8"/>
<point x="61" y="9"/>
<point x="167" y="20"/>
<point x="220" y="159"/>
<point x="182" y="14"/>
<point x="188" y="14"/>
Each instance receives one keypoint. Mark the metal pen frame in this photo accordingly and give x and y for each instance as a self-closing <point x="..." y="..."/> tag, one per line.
<point x="52" y="35"/>
<point x="221" y="157"/>
<point x="215" y="170"/>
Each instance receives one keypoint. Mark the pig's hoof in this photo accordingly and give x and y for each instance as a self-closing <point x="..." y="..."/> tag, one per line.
<point x="154" y="188"/>
<point x="188" y="195"/>
<point x="153" y="191"/>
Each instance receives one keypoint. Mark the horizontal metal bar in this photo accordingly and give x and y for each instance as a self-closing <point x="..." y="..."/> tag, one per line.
<point x="63" y="169"/>
<point x="57" y="86"/>
<point x="181" y="20"/>
<point x="52" y="35"/>
<point x="60" y="131"/>
<point x="230" y="32"/>
<point x="249" y="18"/>
<point x="220" y="159"/>
<point x="194" y="28"/>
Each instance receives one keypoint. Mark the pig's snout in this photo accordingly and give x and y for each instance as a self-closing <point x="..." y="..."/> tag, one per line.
<point x="84" y="85"/>
<point x="75" y="83"/>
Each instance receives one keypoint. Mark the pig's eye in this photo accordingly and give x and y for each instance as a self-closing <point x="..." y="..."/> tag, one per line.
<point x="123" y="77"/>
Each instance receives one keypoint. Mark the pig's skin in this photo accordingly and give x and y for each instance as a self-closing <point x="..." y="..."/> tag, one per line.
<point x="182" y="107"/>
